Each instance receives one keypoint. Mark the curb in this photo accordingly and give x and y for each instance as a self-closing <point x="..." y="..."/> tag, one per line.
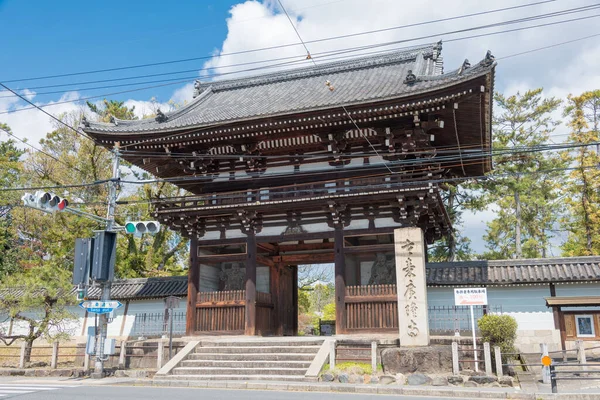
<point x="367" y="389"/>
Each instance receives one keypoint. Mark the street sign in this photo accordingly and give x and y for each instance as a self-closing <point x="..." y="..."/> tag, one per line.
<point x="172" y="302"/>
<point x="100" y="307"/>
<point x="470" y="297"/>
<point x="546" y="361"/>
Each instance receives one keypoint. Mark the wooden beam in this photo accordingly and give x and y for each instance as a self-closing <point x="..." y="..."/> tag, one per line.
<point x="193" y="286"/>
<point x="265" y="260"/>
<point x="340" y="280"/>
<point x="370" y="248"/>
<point x="295" y="259"/>
<point x="269" y="247"/>
<point x="372" y="299"/>
<point x="250" y="325"/>
<point x="305" y="246"/>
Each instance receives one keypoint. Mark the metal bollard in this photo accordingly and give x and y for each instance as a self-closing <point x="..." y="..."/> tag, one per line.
<point x="553" y="379"/>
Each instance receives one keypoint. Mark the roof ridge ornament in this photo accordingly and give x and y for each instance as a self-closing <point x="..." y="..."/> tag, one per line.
<point x="410" y="77"/>
<point x="113" y="120"/>
<point x="465" y="65"/>
<point x="160" y="116"/>
<point x="489" y="59"/>
<point x="197" y="88"/>
<point x="437" y="49"/>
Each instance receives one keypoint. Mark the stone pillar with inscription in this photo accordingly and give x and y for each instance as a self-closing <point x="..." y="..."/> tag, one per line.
<point x="411" y="286"/>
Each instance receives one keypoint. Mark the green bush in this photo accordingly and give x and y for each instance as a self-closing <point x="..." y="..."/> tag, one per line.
<point x="499" y="330"/>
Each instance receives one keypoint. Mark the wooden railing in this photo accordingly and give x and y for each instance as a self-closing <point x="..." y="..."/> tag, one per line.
<point x="216" y="297"/>
<point x="221" y="311"/>
<point x="371" y="307"/>
<point x="306" y="190"/>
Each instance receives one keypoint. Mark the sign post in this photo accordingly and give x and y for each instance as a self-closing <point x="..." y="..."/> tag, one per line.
<point x="171" y="303"/>
<point x="471" y="297"/>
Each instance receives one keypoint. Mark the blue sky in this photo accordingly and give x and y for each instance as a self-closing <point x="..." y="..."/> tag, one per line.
<point x="40" y="38"/>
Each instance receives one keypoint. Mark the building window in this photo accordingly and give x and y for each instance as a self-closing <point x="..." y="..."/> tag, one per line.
<point x="585" y="326"/>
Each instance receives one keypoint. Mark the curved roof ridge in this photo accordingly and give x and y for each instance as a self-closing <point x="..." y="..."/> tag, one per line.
<point x="354" y="63"/>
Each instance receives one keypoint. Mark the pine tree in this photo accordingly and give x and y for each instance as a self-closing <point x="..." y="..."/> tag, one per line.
<point x="583" y="190"/>
<point x="525" y="197"/>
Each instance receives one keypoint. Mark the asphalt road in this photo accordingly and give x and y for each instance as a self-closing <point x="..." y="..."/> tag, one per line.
<point x="159" y="393"/>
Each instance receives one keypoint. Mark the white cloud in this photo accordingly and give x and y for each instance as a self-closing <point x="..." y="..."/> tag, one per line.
<point x="561" y="70"/>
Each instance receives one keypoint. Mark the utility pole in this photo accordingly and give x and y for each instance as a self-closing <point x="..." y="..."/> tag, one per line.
<point x="105" y="286"/>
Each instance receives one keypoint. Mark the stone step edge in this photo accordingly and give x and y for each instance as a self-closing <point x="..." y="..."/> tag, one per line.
<point x="260" y="347"/>
<point x="427" y="391"/>
<point x="248" y="361"/>
<point x="254" y="354"/>
<point x="227" y="378"/>
<point x="245" y="364"/>
<point x="235" y="369"/>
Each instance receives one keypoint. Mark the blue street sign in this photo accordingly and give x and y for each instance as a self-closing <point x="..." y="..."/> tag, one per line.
<point x="100" y="307"/>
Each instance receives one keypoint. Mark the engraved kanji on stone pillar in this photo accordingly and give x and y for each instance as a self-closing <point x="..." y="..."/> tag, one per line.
<point x="411" y="286"/>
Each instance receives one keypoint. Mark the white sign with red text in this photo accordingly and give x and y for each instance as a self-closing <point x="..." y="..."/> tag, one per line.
<point x="470" y="297"/>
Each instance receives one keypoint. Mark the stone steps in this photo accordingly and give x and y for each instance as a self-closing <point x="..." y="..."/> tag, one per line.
<point x="257" y="349"/>
<point x="253" y="356"/>
<point x="185" y="378"/>
<point x="261" y="343"/>
<point x="203" y="371"/>
<point x="247" y="359"/>
<point x="246" y="364"/>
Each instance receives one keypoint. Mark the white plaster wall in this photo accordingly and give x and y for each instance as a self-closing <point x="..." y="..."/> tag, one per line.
<point x="525" y="303"/>
<point x="262" y="279"/>
<point x="209" y="278"/>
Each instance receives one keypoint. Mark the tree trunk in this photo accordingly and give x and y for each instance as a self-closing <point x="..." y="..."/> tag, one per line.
<point x="518" y="251"/>
<point x="28" y="348"/>
<point x="452" y="236"/>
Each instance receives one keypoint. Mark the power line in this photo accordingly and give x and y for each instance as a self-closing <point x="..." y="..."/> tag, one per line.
<point x="548" y="47"/>
<point x="349" y="50"/>
<point x="45" y="112"/>
<point x="17" y="189"/>
<point x="297" y="33"/>
<point x="282" y="46"/>
<point x="386" y="185"/>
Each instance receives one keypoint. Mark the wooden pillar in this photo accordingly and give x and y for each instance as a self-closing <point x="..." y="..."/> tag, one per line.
<point x="340" y="280"/>
<point x="276" y="298"/>
<point x="193" y="286"/>
<point x="251" y="284"/>
<point x="295" y="300"/>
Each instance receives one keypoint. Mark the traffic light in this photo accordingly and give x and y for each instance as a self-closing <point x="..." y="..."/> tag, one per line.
<point x="45" y="201"/>
<point x="140" y="227"/>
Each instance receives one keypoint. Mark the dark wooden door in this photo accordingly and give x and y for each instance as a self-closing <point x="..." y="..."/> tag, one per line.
<point x="288" y="306"/>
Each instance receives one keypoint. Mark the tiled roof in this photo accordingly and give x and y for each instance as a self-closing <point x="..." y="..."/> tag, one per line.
<point x="540" y="270"/>
<point x="144" y="288"/>
<point x="356" y="81"/>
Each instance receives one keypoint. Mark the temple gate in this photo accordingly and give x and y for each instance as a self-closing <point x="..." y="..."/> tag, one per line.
<point x="314" y="165"/>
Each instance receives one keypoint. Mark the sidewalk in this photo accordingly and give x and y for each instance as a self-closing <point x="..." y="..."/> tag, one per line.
<point x="585" y="393"/>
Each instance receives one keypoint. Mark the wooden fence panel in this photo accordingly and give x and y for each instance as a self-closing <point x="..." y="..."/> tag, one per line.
<point x="221" y="311"/>
<point x="372" y="307"/>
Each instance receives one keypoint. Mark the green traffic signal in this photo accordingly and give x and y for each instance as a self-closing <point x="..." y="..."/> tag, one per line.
<point x="141" y="227"/>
